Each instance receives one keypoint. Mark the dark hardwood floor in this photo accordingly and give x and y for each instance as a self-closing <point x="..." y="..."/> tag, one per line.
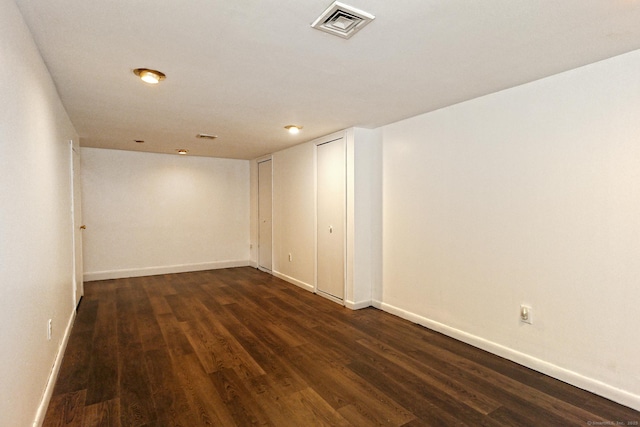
<point x="240" y="347"/>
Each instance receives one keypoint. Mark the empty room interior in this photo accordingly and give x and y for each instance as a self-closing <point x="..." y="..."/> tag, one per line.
<point x="316" y="213"/>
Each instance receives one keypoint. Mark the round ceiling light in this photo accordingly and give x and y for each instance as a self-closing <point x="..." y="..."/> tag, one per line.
<point x="293" y="129"/>
<point x="149" y="76"/>
<point x="182" y="151"/>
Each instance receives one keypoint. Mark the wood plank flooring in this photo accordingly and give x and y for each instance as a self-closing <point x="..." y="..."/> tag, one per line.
<point x="240" y="347"/>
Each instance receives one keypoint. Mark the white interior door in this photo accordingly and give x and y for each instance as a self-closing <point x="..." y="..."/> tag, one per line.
<point x="331" y="189"/>
<point x="264" y="215"/>
<point x="78" y="227"/>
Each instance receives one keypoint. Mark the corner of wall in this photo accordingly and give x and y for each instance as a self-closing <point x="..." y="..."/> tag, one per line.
<point x="357" y="305"/>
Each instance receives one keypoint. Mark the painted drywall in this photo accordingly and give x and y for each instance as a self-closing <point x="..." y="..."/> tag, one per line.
<point x="294" y="215"/>
<point x="530" y="195"/>
<point x="36" y="274"/>
<point x="158" y="213"/>
<point x="364" y="215"/>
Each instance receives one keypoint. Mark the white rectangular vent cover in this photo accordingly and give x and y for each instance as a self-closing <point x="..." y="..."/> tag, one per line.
<point x="342" y="20"/>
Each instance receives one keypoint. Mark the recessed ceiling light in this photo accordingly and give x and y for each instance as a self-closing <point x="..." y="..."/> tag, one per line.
<point x="182" y="151"/>
<point x="206" y="136"/>
<point x="293" y="129"/>
<point x="149" y="76"/>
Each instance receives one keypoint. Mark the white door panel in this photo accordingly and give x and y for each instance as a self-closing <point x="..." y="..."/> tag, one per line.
<point x="264" y="215"/>
<point x="78" y="227"/>
<point x="331" y="185"/>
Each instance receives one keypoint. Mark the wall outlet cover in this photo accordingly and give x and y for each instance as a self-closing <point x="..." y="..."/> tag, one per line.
<point x="526" y="314"/>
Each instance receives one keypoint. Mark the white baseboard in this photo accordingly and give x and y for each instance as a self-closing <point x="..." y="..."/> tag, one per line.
<point x="293" y="281"/>
<point x="169" y="269"/>
<point x="53" y="375"/>
<point x="357" y="305"/>
<point x="617" y="395"/>
<point x="349" y="304"/>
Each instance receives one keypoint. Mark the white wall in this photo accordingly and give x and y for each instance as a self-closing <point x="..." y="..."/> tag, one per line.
<point x="530" y="195"/>
<point x="36" y="273"/>
<point x="364" y="216"/>
<point x="157" y="213"/>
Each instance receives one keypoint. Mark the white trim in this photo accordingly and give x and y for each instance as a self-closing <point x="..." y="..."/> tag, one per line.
<point x="329" y="138"/>
<point x="357" y="305"/>
<point x="264" y="158"/>
<point x="331" y="297"/>
<point x="293" y="281"/>
<point x="53" y="375"/>
<point x="152" y="271"/>
<point x="590" y="384"/>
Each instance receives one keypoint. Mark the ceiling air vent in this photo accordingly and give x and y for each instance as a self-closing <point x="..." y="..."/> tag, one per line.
<point x="342" y="20"/>
<point x="206" y="136"/>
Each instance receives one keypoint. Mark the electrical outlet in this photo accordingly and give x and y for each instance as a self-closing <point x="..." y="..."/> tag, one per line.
<point x="526" y="314"/>
<point x="290" y="258"/>
<point x="49" y="329"/>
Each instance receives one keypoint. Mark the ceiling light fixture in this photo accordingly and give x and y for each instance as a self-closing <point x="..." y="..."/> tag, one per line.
<point x="182" y="151"/>
<point x="293" y="129"/>
<point x="149" y="76"/>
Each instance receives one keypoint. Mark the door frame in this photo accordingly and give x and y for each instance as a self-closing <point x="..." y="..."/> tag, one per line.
<point x="321" y="141"/>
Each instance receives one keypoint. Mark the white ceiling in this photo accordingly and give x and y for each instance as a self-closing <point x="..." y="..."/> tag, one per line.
<point x="243" y="69"/>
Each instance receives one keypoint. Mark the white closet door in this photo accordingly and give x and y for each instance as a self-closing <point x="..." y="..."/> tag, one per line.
<point x="331" y="181"/>
<point x="264" y="215"/>
<point x="76" y="208"/>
